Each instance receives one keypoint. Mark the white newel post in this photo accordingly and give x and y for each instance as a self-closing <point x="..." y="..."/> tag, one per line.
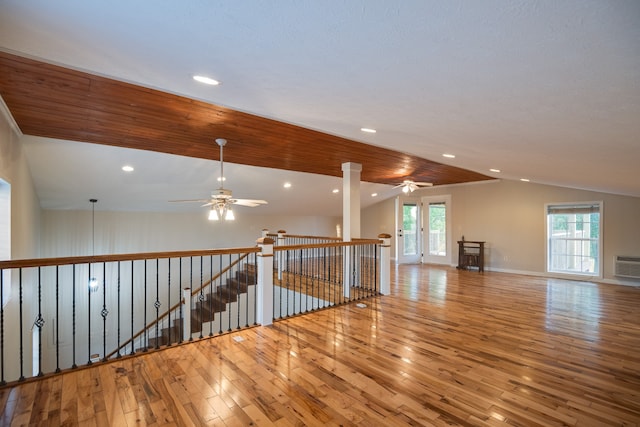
<point x="280" y="255"/>
<point x="186" y="313"/>
<point x="264" y="304"/>
<point x="385" y="263"/>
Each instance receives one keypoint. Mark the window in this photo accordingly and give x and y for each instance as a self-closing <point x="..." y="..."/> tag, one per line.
<point x="574" y="238"/>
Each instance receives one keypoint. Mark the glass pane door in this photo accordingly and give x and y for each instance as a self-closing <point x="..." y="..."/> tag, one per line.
<point x="408" y="239"/>
<point x="437" y="229"/>
<point x="437" y="222"/>
<point x="410" y="226"/>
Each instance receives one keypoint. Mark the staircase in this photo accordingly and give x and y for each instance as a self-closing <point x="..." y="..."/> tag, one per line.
<point x="213" y="305"/>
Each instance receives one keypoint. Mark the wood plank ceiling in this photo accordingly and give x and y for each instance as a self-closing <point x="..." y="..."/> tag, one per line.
<point x="56" y="102"/>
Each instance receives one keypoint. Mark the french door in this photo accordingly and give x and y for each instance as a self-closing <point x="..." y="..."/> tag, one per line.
<point x="408" y="224"/>
<point x="437" y="225"/>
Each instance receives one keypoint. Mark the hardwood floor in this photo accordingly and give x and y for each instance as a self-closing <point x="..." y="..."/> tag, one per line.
<point x="447" y="347"/>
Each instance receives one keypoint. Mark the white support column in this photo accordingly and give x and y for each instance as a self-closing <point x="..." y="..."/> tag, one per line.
<point x="385" y="264"/>
<point x="351" y="200"/>
<point x="264" y="303"/>
<point x="186" y="314"/>
<point x="265" y="232"/>
<point x="350" y="216"/>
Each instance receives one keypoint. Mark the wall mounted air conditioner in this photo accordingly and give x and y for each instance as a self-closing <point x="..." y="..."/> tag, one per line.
<point x="627" y="266"/>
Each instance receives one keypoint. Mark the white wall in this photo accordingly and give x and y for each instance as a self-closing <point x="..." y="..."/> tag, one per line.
<point x="68" y="233"/>
<point x="25" y="207"/>
<point x="510" y="217"/>
<point x="25" y="230"/>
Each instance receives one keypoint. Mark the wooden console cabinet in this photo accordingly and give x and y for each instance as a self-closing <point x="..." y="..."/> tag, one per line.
<point x="470" y="255"/>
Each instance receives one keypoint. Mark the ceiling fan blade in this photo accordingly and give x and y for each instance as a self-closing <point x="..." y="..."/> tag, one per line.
<point x="424" y="184"/>
<point x="249" y="202"/>
<point x="189" y="201"/>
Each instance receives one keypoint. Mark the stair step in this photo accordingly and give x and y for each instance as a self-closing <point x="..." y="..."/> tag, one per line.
<point x="205" y="311"/>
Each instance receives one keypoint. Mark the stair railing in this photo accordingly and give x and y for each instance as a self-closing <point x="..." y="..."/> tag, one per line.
<point x="55" y="319"/>
<point x="176" y="307"/>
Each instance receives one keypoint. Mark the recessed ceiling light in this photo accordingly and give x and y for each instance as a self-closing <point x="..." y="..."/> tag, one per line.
<point x="368" y="130"/>
<point x="127" y="168"/>
<point x="335" y="190"/>
<point x="374" y="194"/>
<point x="287" y="185"/>
<point x="495" y="170"/>
<point x="206" y="80"/>
<point x="449" y="156"/>
<point x="524" y="180"/>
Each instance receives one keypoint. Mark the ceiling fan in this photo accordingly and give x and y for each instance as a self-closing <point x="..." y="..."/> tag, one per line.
<point x="409" y="186"/>
<point x="222" y="199"/>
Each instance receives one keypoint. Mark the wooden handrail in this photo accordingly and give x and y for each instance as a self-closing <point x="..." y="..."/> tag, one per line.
<point x="327" y="245"/>
<point x="95" y="259"/>
<point x="301" y="236"/>
<point x="177" y="305"/>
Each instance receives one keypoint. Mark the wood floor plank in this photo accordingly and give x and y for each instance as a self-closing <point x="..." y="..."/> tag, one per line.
<point x="448" y="347"/>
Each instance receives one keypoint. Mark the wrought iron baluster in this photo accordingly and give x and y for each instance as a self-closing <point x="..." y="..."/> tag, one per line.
<point x="21" y="328"/>
<point x="188" y="313"/>
<point x="169" y="324"/>
<point x="322" y="271"/>
<point x="255" y="289"/>
<point x="300" y="277"/>
<point x="57" y="319"/>
<point x="211" y="307"/>
<point x="219" y="293"/>
<point x="247" y="283"/>
<point x="238" y="278"/>
<point x="288" y="280"/>
<point x="118" y="356"/>
<point x="304" y="265"/>
<point x="146" y="334"/>
<point x="39" y="322"/>
<point x="133" y="346"/>
<point x="201" y="298"/>
<point x="229" y="293"/>
<point x="157" y="304"/>
<point x="73" y="317"/>
<point x="104" y="313"/>
<point x="89" y="317"/>
<point x="378" y="248"/>
<point x="181" y="332"/>
<point x="337" y="274"/>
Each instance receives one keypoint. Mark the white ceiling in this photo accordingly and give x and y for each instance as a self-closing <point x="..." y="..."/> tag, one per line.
<point x="544" y="90"/>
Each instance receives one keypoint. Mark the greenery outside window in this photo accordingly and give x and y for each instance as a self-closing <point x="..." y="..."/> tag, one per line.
<point x="574" y="238"/>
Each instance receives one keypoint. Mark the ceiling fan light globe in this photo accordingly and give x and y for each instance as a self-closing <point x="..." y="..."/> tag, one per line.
<point x="213" y="215"/>
<point x="405" y="189"/>
<point x="229" y="216"/>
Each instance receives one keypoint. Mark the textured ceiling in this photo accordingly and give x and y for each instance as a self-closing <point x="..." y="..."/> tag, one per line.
<point x="548" y="91"/>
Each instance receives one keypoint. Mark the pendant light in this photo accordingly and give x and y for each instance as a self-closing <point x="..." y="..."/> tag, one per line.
<point x="93" y="282"/>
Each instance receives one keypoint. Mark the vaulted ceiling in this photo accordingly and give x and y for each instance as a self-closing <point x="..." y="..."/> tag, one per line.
<point x="544" y="91"/>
